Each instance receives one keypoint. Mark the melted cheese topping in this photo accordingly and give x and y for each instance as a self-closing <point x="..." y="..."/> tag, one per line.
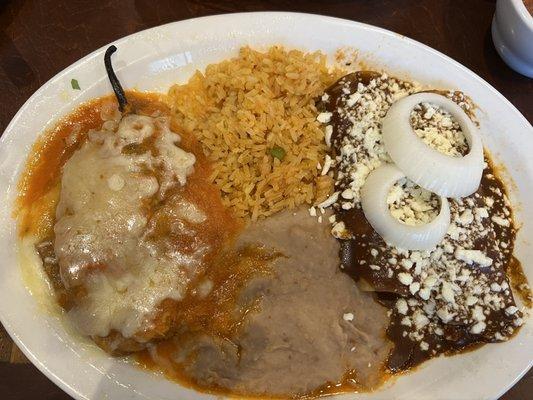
<point x="104" y="238"/>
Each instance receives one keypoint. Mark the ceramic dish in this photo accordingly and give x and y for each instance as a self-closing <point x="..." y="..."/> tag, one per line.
<point x="512" y="33"/>
<point x="156" y="58"/>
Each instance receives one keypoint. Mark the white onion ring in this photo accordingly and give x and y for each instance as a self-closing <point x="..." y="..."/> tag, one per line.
<point x="374" y="202"/>
<point x="444" y="175"/>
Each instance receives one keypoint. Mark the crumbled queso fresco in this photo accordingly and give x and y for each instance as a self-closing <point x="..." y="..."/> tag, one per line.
<point x="439" y="130"/>
<point x="449" y="284"/>
<point x="411" y="204"/>
<point x="461" y="283"/>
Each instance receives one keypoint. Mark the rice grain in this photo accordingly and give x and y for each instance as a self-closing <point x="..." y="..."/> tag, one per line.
<point x="241" y="108"/>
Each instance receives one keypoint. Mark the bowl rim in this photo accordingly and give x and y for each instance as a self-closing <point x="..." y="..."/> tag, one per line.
<point x="523" y="13"/>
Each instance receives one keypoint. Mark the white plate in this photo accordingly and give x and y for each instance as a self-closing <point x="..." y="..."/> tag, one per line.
<point x="155" y="58"/>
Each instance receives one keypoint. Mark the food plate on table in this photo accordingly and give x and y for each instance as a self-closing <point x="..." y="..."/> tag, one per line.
<point x="277" y="205"/>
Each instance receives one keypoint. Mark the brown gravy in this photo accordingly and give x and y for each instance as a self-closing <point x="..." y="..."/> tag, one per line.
<point x="359" y="253"/>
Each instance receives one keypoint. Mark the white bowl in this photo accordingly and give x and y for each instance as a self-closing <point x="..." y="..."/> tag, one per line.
<point x="512" y="33"/>
<point x="156" y="58"/>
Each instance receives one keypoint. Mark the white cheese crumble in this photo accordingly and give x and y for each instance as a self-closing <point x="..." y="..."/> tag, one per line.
<point x="327" y="135"/>
<point x="412" y="205"/>
<point x="348" y="317"/>
<point x="329" y="201"/>
<point x="438" y="130"/>
<point x="500" y="221"/>
<point x="511" y="310"/>
<point x="405" y="278"/>
<point x="401" y="306"/>
<point x="324" y="117"/>
<point x="327" y="165"/>
<point x="473" y="256"/>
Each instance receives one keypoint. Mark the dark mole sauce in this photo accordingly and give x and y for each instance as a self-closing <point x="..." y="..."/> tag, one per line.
<point x="356" y="256"/>
<point x="457" y="337"/>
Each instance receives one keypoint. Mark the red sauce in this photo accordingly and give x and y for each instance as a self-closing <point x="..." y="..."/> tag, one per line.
<point x="39" y="190"/>
<point x="40" y="181"/>
<point x="39" y="185"/>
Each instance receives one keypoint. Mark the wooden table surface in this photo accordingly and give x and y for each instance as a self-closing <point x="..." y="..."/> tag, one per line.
<point x="39" y="38"/>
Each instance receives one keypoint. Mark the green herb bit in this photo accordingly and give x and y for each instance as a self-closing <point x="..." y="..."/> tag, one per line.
<point x="278" y="152"/>
<point x="75" y="85"/>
